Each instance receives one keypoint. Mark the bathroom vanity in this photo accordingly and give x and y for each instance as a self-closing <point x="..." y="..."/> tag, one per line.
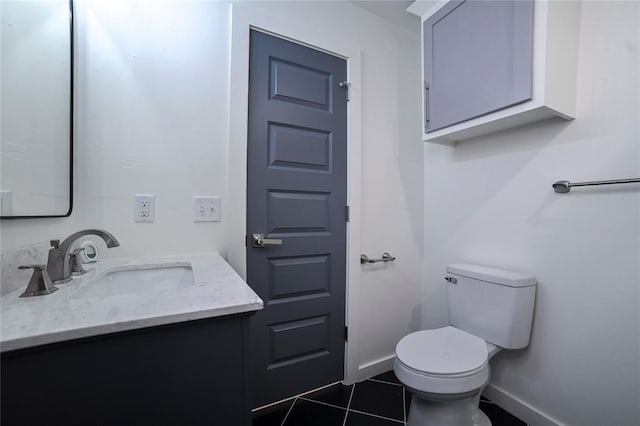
<point x="159" y="340"/>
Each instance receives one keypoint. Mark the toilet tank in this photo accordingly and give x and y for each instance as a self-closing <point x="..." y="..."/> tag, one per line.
<point x="493" y="304"/>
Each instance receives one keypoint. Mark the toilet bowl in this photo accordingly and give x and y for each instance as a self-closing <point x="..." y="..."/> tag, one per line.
<point x="446" y="369"/>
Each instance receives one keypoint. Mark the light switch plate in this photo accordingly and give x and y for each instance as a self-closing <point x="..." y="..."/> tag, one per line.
<point x="206" y="208"/>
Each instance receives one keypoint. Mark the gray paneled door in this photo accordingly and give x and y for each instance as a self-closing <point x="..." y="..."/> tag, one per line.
<point x="296" y="189"/>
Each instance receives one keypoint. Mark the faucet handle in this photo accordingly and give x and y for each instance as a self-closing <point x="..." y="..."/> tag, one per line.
<point x="34" y="267"/>
<point x="40" y="283"/>
<point x="55" y="243"/>
<point x="75" y="265"/>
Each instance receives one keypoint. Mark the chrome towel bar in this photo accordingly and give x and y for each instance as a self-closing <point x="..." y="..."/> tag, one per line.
<point x="564" y="186"/>
<point x="386" y="257"/>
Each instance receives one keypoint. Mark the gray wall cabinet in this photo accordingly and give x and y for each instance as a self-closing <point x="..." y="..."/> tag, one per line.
<point x="477" y="59"/>
<point x="489" y="65"/>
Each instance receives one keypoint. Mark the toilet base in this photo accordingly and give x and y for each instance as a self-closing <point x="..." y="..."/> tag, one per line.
<point x="459" y="412"/>
<point x="480" y="418"/>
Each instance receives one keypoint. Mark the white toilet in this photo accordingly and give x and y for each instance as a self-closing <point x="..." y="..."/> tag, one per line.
<point x="447" y="368"/>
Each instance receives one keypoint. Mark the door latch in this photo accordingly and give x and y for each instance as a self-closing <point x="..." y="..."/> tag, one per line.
<point x="260" y="241"/>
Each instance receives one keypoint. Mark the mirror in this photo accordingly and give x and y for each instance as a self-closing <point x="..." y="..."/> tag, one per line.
<point x="37" y="108"/>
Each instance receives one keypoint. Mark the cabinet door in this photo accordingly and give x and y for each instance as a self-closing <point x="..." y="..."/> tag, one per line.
<point x="477" y="59"/>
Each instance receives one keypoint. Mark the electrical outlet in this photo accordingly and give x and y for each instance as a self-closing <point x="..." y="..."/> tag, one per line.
<point x="206" y="208"/>
<point x="144" y="208"/>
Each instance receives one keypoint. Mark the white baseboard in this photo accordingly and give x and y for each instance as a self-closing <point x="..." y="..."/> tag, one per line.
<point x="373" y="368"/>
<point x="525" y="412"/>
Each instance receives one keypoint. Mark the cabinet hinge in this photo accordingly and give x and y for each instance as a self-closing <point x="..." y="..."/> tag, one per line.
<point x="346" y="333"/>
<point x="245" y="241"/>
<point x="346" y="85"/>
<point x="347" y="213"/>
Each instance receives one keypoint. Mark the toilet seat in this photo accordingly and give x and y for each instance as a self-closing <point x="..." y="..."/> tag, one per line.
<point x="443" y="351"/>
<point x="445" y="360"/>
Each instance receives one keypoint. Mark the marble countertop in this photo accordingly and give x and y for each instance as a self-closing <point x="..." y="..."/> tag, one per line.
<point x="217" y="290"/>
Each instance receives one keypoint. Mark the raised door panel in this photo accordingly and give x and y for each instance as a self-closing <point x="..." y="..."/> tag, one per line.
<point x="477" y="59"/>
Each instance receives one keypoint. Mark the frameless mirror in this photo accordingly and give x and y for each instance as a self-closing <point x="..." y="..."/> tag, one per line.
<point x="37" y="108"/>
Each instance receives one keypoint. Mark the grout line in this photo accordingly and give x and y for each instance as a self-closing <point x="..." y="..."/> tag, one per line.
<point x="317" y="389"/>
<point x="386" y="383"/>
<point x="321" y="402"/>
<point x="287" y="415"/>
<point x="349" y="405"/>
<point x="262" y="407"/>
<point x="375" y="415"/>
<point x="353" y="389"/>
<point x="404" y="404"/>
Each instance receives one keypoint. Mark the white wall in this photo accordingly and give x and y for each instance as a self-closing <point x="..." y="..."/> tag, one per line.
<point x="489" y="201"/>
<point x="152" y="115"/>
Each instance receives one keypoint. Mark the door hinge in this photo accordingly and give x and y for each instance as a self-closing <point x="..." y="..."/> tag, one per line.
<point x="346" y="85"/>
<point x="245" y="241"/>
<point x="347" y="213"/>
<point x="346" y="333"/>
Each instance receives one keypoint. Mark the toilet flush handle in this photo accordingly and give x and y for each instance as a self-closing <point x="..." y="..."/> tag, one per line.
<point x="452" y="280"/>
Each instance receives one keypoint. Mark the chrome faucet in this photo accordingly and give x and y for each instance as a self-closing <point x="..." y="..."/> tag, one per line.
<point x="58" y="261"/>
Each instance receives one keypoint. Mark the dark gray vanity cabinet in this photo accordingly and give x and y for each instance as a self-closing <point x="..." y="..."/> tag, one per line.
<point x="477" y="59"/>
<point x="189" y="373"/>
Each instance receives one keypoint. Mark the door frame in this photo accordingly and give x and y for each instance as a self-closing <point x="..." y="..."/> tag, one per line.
<point x="242" y="21"/>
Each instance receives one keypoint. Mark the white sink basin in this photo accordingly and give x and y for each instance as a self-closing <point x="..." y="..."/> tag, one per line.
<point x="130" y="280"/>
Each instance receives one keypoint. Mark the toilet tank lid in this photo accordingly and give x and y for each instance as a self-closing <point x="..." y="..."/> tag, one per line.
<point x="496" y="276"/>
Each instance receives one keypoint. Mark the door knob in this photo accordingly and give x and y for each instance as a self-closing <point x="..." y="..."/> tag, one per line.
<point x="260" y="241"/>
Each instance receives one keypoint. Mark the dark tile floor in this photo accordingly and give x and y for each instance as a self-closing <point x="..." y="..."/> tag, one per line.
<point x="379" y="401"/>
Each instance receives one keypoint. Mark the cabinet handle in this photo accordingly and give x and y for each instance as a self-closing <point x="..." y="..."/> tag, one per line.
<point x="426" y="106"/>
